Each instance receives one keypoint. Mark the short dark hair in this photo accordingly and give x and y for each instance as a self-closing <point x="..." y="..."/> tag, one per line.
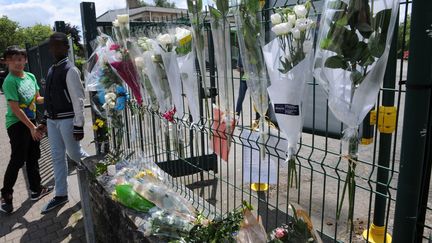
<point x="60" y="37"/>
<point x="14" y="50"/>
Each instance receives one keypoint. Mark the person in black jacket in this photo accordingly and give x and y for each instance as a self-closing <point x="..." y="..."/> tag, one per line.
<point x="64" y="112"/>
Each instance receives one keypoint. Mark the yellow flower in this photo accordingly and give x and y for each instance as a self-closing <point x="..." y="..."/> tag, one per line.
<point x="95" y="127"/>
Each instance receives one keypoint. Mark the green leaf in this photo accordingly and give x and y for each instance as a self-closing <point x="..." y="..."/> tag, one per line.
<point x="382" y="20"/>
<point x="356" y="77"/>
<point x="216" y="14"/>
<point x="336" y="62"/>
<point x="337" y="4"/>
<point x="376" y="45"/>
<point x="222" y="6"/>
<point x="362" y="55"/>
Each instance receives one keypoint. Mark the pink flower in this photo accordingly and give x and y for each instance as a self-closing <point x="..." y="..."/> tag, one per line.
<point x="279" y="233"/>
<point x="129" y="75"/>
<point x="169" y="115"/>
<point x="114" y="47"/>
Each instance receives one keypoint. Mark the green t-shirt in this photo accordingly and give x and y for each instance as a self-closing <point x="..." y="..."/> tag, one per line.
<point x="22" y="90"/>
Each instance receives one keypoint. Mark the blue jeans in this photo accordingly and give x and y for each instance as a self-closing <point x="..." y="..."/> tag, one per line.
<point x="60" y="135"/>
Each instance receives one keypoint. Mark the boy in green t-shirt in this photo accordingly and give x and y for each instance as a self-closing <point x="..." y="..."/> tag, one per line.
<point x="22" y="93"/>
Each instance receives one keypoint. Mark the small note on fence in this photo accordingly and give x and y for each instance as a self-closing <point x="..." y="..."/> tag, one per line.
<point x="255" y="169"/>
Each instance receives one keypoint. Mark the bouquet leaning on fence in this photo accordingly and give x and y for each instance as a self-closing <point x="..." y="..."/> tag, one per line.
<point x="169" y="57"/>
<point x="354" y="43"/>
<point x="225" y="124"/>
<point x="121" y="62"/>
<point x="136" y="51"/>
<point x="197" y="22"/>
<point x="289" y="59"/>
<point x="248" y="23"/>
<point x="186" y="64"/>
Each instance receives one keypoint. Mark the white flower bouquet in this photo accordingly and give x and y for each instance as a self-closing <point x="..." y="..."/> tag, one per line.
<point x="225" y="125"/>
<point x="289" y="59"/>
<point x="197" y="22"/>
<point x="169" y="57"/>
<point x="186" y="64"/>
<point x="354" y="42"/>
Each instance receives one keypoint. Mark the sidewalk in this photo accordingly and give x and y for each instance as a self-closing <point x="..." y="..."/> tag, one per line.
<point x="26" y="223"/>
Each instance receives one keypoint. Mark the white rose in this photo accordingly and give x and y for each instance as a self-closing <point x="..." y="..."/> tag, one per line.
<point x="307" y="46"/>
<point x="115" y="23"/>
<point x="300" y="11"/>
<point x="111" y="104"/>
<point x="110" y="97"/>
<point x="276" y="19"/>
<point x="123" y="18"/>
<point x="139" y="62"/>
<point x="165" y="39"/>
<point x="111" y="170"/>
<point x="296" y="33"/>
<point x="291" y="18"/>
<point x="282" y="29"/>
<point x="302" y="24"/>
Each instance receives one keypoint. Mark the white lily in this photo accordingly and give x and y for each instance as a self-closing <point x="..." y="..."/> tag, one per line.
<point x="300" y="11"/>
<point x="165" y="39"/>
<point x="296" y="33"/>
<point x="291" y="18"/>
<point x="302" y="24"/>
<point x="282" y="29"/>
<point x="276" y="19"/>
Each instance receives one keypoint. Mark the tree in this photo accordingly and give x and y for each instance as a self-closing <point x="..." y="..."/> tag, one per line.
<point x="74" y="31"/>
<point x="143" y="3"/>
<point x="401" y="36"/>
<point x="33" y="35"/>
<point x="7" y="33"/>
<point x="164" y="4"/>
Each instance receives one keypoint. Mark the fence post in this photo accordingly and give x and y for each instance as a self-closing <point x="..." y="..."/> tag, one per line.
<point x="378" y="230"/>
<point x="88" y="20"/>
<point x="417" y="108"/>
<point x="60" y="26"/>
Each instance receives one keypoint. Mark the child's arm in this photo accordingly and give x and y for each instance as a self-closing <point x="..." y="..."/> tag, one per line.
<point x="39" y="99"/>
<point x="37" y="135"/>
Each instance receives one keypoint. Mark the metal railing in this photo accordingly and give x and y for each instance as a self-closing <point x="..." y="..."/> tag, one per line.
<point x="320" y="163"/>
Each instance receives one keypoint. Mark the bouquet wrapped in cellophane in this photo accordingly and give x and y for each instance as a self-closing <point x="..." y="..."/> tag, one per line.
<point x="186" y="64"/>
<point x="248" y="22"/>
<point x="223" y="115"/>
<point x="137" y="48"/>
<point x="101" y="77"/>
<point x="121" y="62"/>
<point x="289" y="59"/>
<point x="353" y="47"/>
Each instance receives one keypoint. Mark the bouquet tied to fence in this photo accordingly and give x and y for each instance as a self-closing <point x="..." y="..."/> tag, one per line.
<point x="248" y="24"/>
<point x="354" y="42"/>
<point x="186" y="64"/>
<point x="289" y="59"/>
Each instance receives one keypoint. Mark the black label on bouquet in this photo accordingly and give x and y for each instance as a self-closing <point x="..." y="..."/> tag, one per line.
<point x="287" y="109"/>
